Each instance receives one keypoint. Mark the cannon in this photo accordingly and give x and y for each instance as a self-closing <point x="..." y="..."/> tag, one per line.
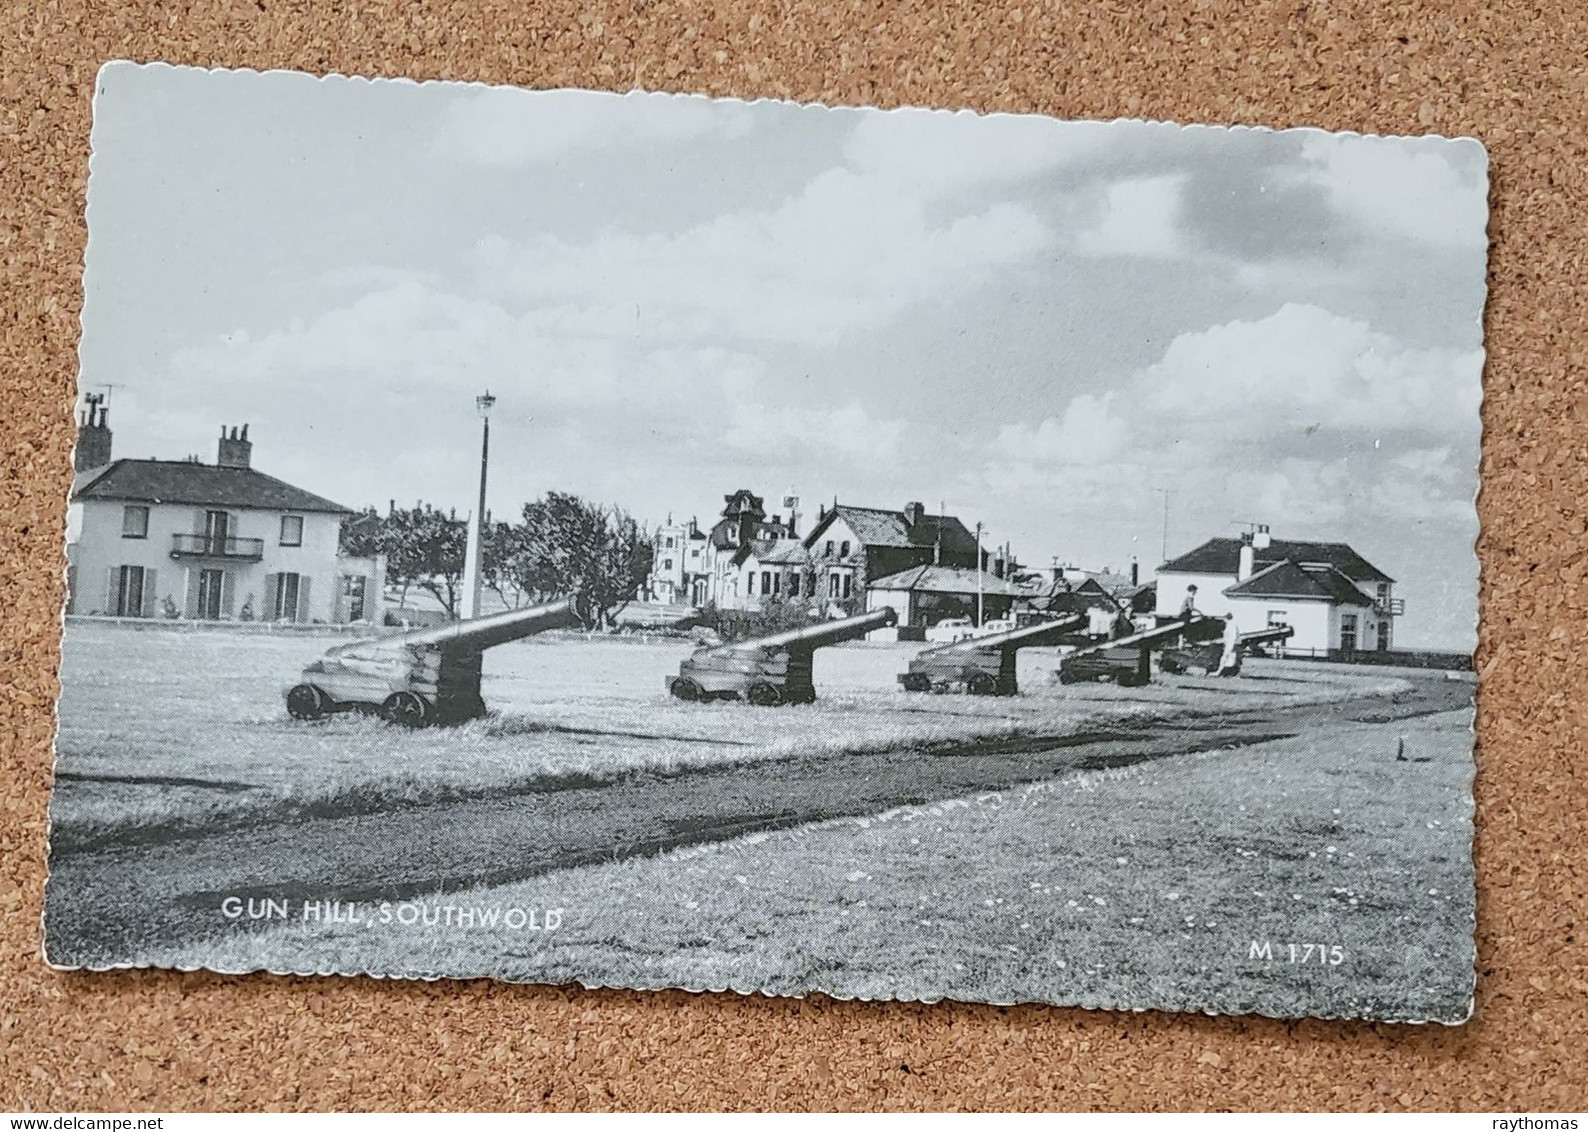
<point x="1128" y="660"/>
<point x="983" y="666"/>
<point x="768" y="670"/>
<point x="1208" y="656"/>
<point x="423" y="676"/>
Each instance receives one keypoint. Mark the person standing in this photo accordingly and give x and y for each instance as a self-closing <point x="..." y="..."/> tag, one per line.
<point x="1188" y="607"/>
<point x="1230" y="660"/>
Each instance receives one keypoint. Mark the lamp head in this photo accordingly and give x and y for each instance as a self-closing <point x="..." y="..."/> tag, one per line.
<point x="483" y="404"/>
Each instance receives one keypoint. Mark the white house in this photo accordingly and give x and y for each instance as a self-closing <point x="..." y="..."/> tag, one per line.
<point x="1332" y="597"/>
<point x="680" y="567"/>
<point x="222" y="541"/>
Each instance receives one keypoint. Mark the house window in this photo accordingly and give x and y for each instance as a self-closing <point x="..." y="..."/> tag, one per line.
<point x="211" y="587"/>
<point x="353" y="596"/>
<point x="129" y="590"/>
<point x="1278" y="617"/>
<point x="1383" y="595"/>
<point x="292" y="530"/>
<point x="286" y="607"/>
<point x="766" y="582"/>
<point x="749" y="584"/>
<point x="832" y="584"/>
<point x="667" y="564"/>
<point x="1347" y="632"/>
<point x="829" y="551"/>
<point x="793" y="585"/>
<point x="1383" y="636"/>
<point x="669" y="544"/>
<point x="843" y="549"/>
<point x="134" y="521"/>
<point x="849" y="584"/>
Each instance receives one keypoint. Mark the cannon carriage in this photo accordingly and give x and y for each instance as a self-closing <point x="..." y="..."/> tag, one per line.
<point x="1207" y="656"/>
<point x="422" y="676"/>
<point x="769" y="670"/>
<point x="1128" y="660"/>
<point x="983" y="666"/>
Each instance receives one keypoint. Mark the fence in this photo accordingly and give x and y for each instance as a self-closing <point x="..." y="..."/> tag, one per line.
<point x="1395" y="658"/>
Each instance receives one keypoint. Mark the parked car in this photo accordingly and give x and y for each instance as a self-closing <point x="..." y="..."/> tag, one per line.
<point x="951" y="629"/>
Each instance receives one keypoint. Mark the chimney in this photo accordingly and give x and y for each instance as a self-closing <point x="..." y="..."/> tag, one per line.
<point x="235" y="450"/>
<point x="93" y="435"/>
<point x="912" y="514"/>
<point x="1261" y="539"/>
<point x="1244" y="570"/>
<point x="1135" y="571"/>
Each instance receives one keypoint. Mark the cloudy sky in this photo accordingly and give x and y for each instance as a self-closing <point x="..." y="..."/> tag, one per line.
<point x="1043" y="326"/>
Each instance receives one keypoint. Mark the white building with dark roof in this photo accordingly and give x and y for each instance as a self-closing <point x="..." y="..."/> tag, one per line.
<point x="1334" y="599"/>
<point x="222" y="541"/>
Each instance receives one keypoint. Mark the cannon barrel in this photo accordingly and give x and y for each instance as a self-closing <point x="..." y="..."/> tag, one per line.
<point x="820" y="635"/>
<point x="775" y="669"/>
<point x="1041" y="633"/>
<point x="479" y="633"/>
<point x="421" y="676"/>
<point x="1264" y="636"/>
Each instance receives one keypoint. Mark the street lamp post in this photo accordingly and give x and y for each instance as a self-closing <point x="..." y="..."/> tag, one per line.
<point x="473" y="557"/>
<point x="978" y="578"/>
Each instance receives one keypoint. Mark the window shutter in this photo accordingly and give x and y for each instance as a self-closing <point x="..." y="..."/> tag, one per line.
<point x="303" y="597"/>
<point x="228" y="592"/>
<point x="190" y="600"/>
<point x="150" y="578"/>
<point x="112" y="577"/>
<point x="268" y="612"/>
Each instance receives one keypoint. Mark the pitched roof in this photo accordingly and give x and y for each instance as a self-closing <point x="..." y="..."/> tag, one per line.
<point x="946" y="580"/>
<point x="1289" y="579"/>
<point x="182" y="481"/>
<point x="1223" y="556"/>
<point x="876" y="527"/>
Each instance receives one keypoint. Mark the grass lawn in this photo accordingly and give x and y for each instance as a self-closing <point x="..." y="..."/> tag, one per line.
<point x="163" y="730"/>
<point x="1139" y="887"/>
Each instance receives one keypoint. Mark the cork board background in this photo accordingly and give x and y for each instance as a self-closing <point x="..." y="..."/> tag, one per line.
<point x="1513" y="75"/>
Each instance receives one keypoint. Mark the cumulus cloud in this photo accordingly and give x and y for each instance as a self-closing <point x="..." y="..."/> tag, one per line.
<point x="846" y="254"/>
<point x="1139" y="217"/>
<point x="1304" y="367"/>
<point x="786" y="429"/>
<point x="938" y="152"/>
<point x="500" y="126"/>
<point x="1088" y="432"/>
<point x="1434" y="192"/>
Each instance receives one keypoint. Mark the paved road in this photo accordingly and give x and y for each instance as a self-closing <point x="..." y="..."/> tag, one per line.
<point x="109" y="904"/>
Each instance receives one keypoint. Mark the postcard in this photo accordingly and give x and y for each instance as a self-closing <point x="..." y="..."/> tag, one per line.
<point x="651" y="541"/>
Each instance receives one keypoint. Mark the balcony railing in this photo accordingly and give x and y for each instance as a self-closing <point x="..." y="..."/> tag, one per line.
<point x="1393" y="607"/>
<point x="204" y="546"/>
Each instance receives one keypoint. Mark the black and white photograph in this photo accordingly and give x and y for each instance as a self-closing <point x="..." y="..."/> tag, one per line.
<point x="653" y="541"/>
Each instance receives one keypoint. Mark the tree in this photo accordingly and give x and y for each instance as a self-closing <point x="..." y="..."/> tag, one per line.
<point x="424" y="547"/>
<point x="567" y="545"/>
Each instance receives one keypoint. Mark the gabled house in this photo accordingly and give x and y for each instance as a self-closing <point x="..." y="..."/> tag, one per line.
<point x="223" y="541"/>
<point x="1334" y="599"/>
<point x="851" y="546"/>
<point x="738" y="575"/>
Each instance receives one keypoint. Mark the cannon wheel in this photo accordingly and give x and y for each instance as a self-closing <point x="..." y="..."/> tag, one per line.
<point x="916" y="682"/>
<point x="981" y="684"/>
<point x="305" y="701"/>
<point x="407" y="709"/>
<point x="762" y="694"/>
<point x="684" y="688"/>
